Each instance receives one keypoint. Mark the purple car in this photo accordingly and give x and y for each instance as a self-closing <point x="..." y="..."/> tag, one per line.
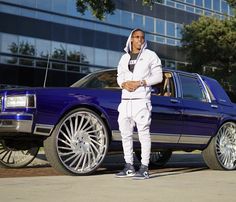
<point x="77" y="125"/>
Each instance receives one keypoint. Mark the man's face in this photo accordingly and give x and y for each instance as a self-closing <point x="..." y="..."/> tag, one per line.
<point x="137" y="41"/>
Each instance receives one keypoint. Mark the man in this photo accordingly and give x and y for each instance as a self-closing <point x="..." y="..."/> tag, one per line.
<point x="138" y="69"/>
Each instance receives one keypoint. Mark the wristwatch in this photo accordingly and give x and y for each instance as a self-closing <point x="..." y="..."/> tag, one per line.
<point x="142" y="83"/>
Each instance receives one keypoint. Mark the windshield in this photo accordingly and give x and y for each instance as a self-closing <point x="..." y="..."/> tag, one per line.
<point x="102" y="79"/>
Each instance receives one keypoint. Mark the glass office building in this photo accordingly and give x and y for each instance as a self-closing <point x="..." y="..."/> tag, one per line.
<point x="36" y="35"/>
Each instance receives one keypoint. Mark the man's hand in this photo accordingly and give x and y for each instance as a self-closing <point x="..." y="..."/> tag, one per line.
<point x="131" y="86"/>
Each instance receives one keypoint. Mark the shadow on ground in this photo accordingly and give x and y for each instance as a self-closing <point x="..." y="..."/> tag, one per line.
<point x="178" y="164"/>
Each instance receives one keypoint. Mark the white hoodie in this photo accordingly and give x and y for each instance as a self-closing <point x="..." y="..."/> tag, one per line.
<point x="147" y="67"/>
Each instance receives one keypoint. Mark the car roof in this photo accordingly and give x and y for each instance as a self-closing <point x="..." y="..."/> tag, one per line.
<point x="164" y="69"/>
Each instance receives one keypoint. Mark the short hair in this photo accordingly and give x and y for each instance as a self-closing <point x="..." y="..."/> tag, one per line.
<point x="138" y="30"/>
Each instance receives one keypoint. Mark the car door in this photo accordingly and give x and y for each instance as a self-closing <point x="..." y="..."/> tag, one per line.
<point x="166" y="111"/>
<point x="200" y="115"/>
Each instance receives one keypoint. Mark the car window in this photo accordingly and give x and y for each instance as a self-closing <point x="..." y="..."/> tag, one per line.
<point x="166" y="87"/>
<point x="192" y="88"/>
<point x="105" y="79"/>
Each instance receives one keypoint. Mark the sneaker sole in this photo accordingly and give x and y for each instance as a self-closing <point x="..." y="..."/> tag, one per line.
<point x="140" y="178"/>
<point x="125" y="176"/>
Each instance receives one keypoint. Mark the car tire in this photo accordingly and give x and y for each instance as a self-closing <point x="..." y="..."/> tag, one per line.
<point x="16" y="158"/>
<point x="220" y="154"/>
<point x="157" y="159"/>
<point x="78" y="144"/>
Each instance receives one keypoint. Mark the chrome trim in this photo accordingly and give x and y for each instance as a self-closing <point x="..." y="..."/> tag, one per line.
<point x="194" y="139"/>
<point x="155" y="137"/>
<point x="168" y="138"/>
<point x="8" y="126"/>
<point x="16" y="113"/>
<point x="205" y="89"/>
<point x="13" y="125"/>
<point x="46" y="127"/>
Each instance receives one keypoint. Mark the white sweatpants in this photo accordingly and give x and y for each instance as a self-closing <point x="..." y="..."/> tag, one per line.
<point x="137" y="112"/>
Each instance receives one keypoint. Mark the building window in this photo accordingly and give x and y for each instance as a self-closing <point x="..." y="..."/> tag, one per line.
<point x="114" y="19"/>
<point x="190" y="9"/>
<point x="28" y="12"/>
<point x="224" y="7"/>
<point x="208" y="4"/>
<point x="150" y="37"/>
<point x="45" y="5"/>
<point x="100" y="57"/>
<point x="87" y="54"/>
<point x="160" y="26"/>
<point x="113" y="58"/>
<point x="170" y="3"/>
<point x="138" y="21"/>
<point x="216" y="5"/>
<point x="43" y="16"/>
<point x="199" y="3"/>
<point x="58" y="53"/>
<point x="179" y="28"/>
<point x="71" y="8"/>
<point x="58" y="50"/>
<point x="149" y="24"/>
<point x="73" y="55"/>
<point x="43" y="50"/>
<point x="9" y="43"/>
<point x="30" y="3"/>
<point x="60" y="6"/>
<point x="180" y="6"/>
<point x="126" y="19"/>
<point x="160" y="39"/>
<point x="170" y="42"/>
<point x="26" y="47"/>
<point x="199" y="11"/>
<point x="190" y="1"/>
<point x="170" y="29"/>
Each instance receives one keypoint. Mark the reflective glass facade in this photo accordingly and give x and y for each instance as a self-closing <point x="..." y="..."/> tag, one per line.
<point x="40" y="34"/>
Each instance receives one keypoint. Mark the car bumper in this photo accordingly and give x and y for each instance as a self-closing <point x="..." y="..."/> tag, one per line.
<point x="16" y="122"/>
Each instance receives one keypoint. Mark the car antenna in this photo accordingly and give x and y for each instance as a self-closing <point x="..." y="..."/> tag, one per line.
<point x="46" y="73"/>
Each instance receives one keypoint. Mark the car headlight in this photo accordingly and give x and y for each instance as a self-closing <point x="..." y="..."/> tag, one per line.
<point x="20" y="101"/>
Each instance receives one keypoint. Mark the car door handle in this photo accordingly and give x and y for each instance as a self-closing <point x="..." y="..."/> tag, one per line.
<point x="214" y="106"/>
<point x="174" y="101"/>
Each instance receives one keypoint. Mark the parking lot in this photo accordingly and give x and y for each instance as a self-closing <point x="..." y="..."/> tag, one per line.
<point x="184" y="178"/>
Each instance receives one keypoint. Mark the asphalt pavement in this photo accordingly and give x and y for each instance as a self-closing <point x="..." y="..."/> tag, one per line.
<point x="184" y="178"/>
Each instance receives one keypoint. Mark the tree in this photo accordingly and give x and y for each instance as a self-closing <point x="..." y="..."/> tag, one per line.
<point x="210" y="42"/>
<point x="101" y="7"/>
<point x="232" y="3"/>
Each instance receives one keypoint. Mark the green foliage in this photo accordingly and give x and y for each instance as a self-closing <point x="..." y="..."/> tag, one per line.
<point x="101" y="7"/>
<point x="98" y="7"/>
<point x="232" y="3"/>
<point x="210" y="42"/>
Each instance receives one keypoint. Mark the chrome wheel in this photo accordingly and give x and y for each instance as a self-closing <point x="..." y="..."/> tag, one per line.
<point x="220" y="154"/>
<point x="226" y="146"/>
<point x="15" y="158"/>
<point x="80" y="142"/>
